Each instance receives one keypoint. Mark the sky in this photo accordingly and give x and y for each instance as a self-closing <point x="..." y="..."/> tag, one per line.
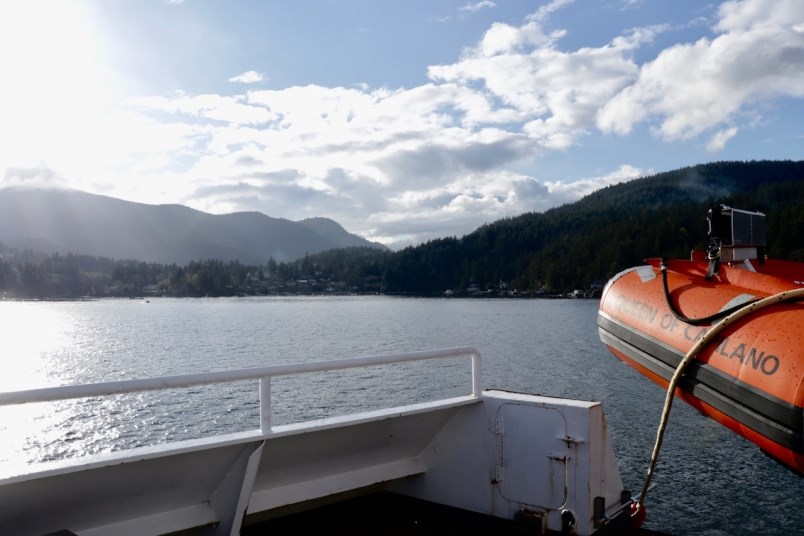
<point x="404" y="121"/>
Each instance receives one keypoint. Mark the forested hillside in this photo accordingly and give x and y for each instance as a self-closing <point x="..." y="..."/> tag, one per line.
<point x="575" y="245"/>
<point x="570" y="247"/>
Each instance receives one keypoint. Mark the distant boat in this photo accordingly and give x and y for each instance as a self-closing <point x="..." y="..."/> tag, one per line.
<point x="742" y="317"/>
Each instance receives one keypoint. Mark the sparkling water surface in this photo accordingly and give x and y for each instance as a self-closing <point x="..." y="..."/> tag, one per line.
<point x="710" y="481"/>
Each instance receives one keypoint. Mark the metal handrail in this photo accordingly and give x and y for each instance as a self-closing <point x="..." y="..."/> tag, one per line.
<point x="263" y="374"/>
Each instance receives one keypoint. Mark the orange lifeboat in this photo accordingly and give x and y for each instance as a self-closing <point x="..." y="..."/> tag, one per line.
<point x="750" y="377"/>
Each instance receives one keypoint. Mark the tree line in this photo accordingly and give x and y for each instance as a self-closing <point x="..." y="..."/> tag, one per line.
<point x="31" y="275"/>
<point x="574" y="246"/>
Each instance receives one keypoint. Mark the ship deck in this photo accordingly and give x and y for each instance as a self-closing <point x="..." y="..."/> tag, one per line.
<point x="391" y="514"/>
<point x="534" y="462"/>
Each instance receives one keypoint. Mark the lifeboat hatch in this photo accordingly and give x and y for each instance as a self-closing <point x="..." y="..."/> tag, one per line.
<point x="536" y="452"/>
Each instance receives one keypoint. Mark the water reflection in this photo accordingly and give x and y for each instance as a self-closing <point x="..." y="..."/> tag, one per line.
<point x="710" y="481"/>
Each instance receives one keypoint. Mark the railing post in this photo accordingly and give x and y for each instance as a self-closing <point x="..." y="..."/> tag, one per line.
<point x="477" y="380"/>
<point x="265" y="404"/>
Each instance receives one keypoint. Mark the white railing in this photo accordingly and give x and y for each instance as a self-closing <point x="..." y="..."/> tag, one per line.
<point x="263" y="374"/>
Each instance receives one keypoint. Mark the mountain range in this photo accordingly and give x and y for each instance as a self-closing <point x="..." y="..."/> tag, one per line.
<point x="183" y="252"/>
<point x="70" y="221"/>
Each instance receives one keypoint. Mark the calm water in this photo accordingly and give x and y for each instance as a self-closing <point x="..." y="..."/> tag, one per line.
<point x="710" y="481"/>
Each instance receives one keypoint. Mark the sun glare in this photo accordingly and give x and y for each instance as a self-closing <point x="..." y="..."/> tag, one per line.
<point x="31" y="333"/>
<point x="53" y="78"/>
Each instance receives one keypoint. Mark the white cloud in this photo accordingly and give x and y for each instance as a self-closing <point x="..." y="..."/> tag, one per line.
<point x="555" y="95"/>
<point x="36" y="176"/>
<point x="692" y="88"/>
<point x="249" y="77"/>
<point x="631" y="4"/>
<point x="747" y="15"/>
<point x="457" y="208"/>
<point x="503" y="38"/>
<point x="477" y="6"/>
<point x="544" y="12"/>
<point x="568" y="192"/>
<point x="216" y="107"/>
<point x="720" y="138"/>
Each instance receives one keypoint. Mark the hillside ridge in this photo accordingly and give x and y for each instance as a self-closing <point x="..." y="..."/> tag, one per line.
<point x="71" y="221"/>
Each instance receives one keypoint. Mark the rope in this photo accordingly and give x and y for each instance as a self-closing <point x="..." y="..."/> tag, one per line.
<point x="787" y="295"/>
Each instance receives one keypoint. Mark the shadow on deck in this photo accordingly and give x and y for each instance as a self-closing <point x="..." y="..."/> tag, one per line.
<point x="391" y="514"/>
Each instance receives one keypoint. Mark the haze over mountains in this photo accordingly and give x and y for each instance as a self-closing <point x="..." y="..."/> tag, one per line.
<point x="69" y="221"/>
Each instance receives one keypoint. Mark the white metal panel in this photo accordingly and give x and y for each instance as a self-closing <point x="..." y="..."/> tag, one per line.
<point x="532" y="449"/>
<point x="330" y="459"/>
<point x="230" y="499"/>
<point x="197" y="515"/>
<point x="464" y="461"/>
<point x="315" y="488"/>
<point x="138" y="494"/>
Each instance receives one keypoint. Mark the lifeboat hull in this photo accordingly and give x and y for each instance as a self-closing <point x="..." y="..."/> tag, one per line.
<point x="750" y="378"/>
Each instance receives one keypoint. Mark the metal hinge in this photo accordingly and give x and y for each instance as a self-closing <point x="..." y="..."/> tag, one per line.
<point x="560" y="456"/>
<point x="499" y="473"/>
<point x="499" y="428"/>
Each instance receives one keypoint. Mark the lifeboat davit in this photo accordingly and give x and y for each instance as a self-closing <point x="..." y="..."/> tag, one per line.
<point x="750" y="377"/>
